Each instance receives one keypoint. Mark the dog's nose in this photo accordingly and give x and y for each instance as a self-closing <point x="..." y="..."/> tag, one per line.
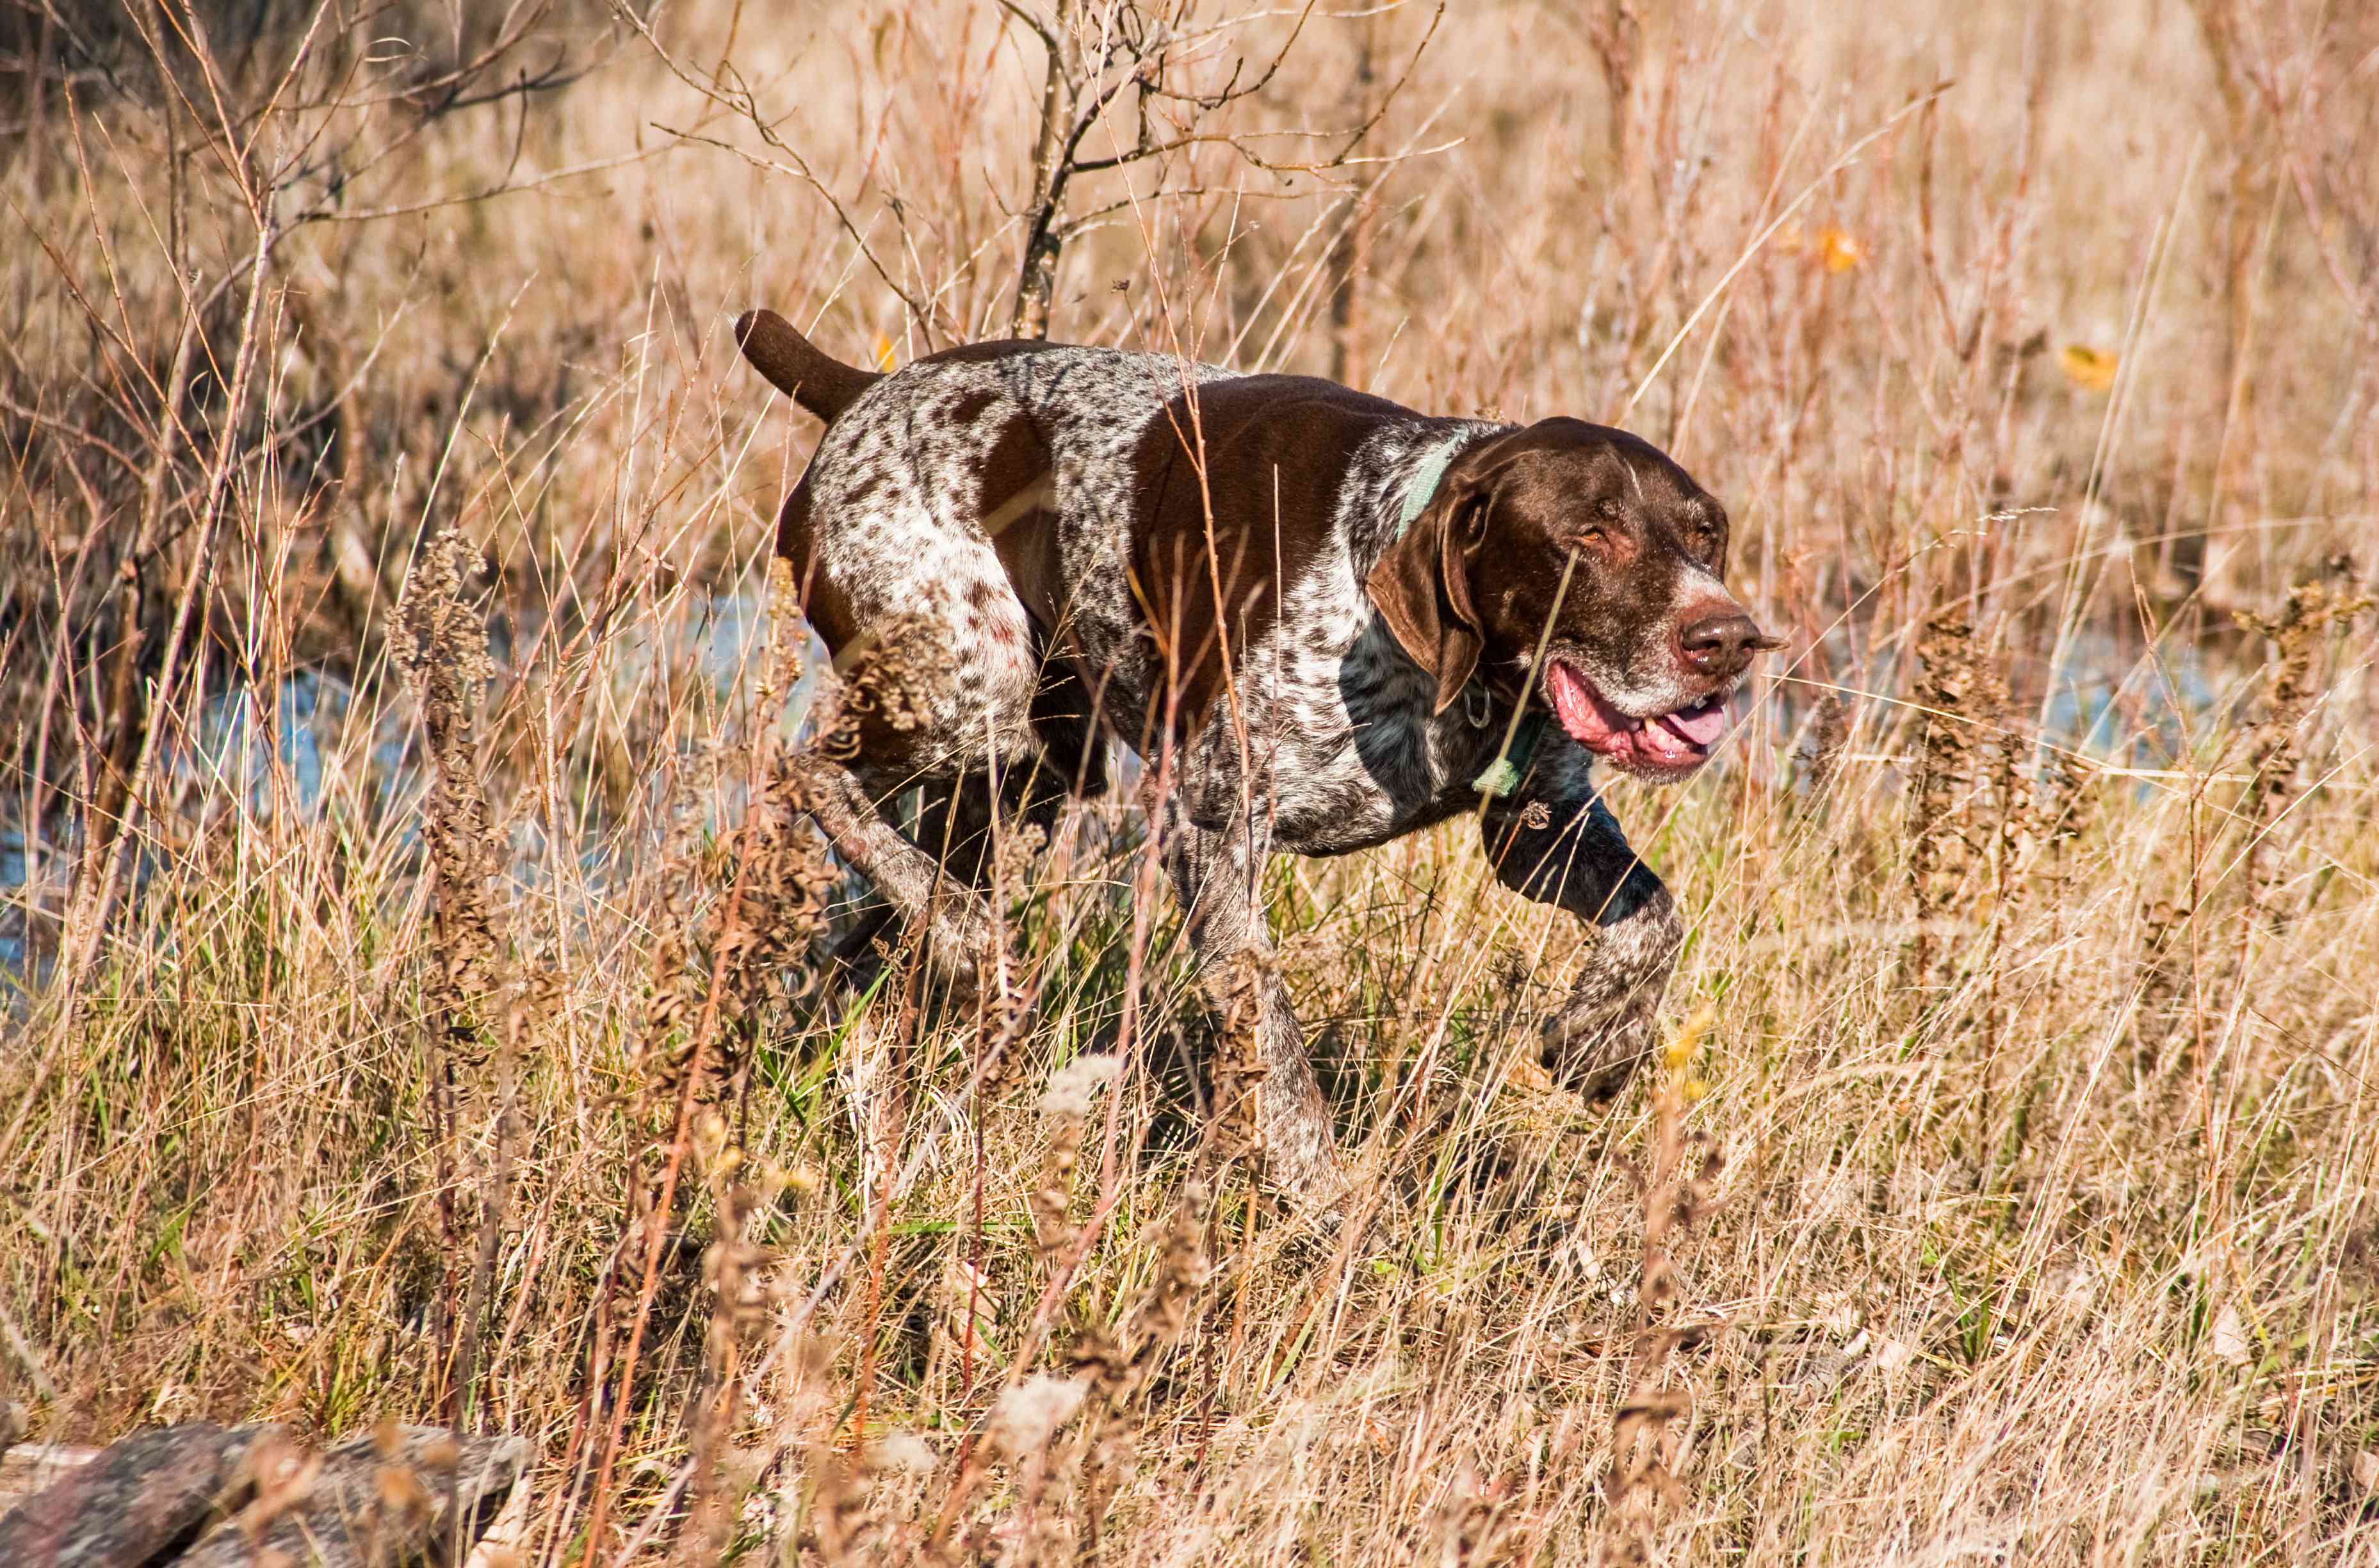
<point x="1721" y="645"/>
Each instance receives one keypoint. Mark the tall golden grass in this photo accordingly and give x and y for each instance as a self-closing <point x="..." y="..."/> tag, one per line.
<point x="410" y="1007"/>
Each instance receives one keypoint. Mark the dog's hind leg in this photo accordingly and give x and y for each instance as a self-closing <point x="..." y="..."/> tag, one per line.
<point x="915" y="886"/>
<point x="1217" y="876"/>
<point x="957" y="830"/>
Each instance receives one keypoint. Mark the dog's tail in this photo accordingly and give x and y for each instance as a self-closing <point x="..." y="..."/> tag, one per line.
<point x="816" y="380"/>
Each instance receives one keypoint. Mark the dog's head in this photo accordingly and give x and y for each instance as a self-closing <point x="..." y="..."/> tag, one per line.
<point x="1644" y="645"/>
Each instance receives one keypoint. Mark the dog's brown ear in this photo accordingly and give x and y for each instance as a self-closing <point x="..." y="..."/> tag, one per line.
<point x="1422" y="586"/>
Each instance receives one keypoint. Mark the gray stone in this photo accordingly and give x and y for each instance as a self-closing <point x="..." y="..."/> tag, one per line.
<point x="137" y="1503"/>
<point x="377" y="1502"/>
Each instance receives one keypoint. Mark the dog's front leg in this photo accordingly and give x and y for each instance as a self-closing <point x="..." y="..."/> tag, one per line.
<point x="1572" y="853"/>
<point x="1218" y="878"/>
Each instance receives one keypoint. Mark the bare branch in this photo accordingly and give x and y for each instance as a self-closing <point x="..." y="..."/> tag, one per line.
<point x="800" y="169"/>
<point x="728" y="91"/>
<point x="1141" y="56"/>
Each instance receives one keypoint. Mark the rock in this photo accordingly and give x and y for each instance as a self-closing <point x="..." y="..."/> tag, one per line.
<point x="203" y="1496"/>
<point x="391" y="1497"/>
<point x="138" y="1503"/>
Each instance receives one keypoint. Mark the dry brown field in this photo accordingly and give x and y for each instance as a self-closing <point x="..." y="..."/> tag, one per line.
<point x="407" y="1002"/>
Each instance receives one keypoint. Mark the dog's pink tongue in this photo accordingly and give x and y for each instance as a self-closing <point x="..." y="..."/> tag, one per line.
<point x="1575" y="708"/>
<point x="1701" y="725"/>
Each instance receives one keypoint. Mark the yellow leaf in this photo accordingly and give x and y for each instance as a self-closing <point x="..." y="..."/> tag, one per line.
<point x="2087" y="367"/>
<point x="1696" y="1026"/>
<point x="1841" y="250"/>
<point x="883" y="352"/>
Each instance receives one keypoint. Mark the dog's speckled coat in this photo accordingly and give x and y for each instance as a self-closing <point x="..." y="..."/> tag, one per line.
<point x="1068" y="519"/>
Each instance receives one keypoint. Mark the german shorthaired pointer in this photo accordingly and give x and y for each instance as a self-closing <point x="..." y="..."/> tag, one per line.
<point x="1324" y="621"/>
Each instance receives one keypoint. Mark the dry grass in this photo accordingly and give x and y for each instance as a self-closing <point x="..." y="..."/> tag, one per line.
<point x="400" y="1038"/>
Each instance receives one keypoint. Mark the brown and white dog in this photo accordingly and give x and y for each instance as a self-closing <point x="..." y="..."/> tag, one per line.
<point x="1324" y="621"/>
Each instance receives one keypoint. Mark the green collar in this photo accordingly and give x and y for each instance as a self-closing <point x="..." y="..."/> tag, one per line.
<point x="1426" y="478"/>
<point x="1503" y="775"/>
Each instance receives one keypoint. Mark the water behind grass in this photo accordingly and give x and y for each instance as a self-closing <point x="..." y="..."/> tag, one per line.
<point x="313" y="749"/>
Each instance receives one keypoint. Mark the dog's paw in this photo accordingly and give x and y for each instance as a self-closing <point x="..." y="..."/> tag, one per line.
<point x="1590" y="1057"/>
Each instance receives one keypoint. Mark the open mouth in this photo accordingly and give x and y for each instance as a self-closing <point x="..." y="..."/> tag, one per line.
<point x="1662" y="745"/>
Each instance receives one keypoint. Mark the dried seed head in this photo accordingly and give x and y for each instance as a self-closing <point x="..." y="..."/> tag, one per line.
<point x="399" y="1491"/>
<point x="1828" y="733"/>
<point x="902" y="1451"/>
<point x="2275" y="744"/>
<point x="1026" y="1415"/>
<point x="883" y="682"/>
<point x="441" y="648"/>
<point x="1071" y="1086"/>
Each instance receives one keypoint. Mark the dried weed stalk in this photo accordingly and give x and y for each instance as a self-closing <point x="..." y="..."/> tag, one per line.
<point x="1961" y="699"/>
<point x="884" y="677"/>
<point x="1067" y="1104"/>
<point x="695" y="1020"/>
<point x="1829" y="734"/>
<point x="441" y="649"/>
<point x="735" y="1270"/>
<point x="1117" y="1364"/>
<point x="844" y="1525"/>
<point x="1026" y="1415"/>
<point x="2162" y="975"/>
<point x="776" y="900"/>
<point x="534" y="994"/>
<point x="1111" y="1366"/>
<point x="1649" y="1432"/>
<point x="2275" y="744"/>
<point x="843" y="1512"/>
<point x="1008" y="1016"/>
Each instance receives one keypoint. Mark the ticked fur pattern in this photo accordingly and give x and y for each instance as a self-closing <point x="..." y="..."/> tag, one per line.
<point x="1325" y="742"/>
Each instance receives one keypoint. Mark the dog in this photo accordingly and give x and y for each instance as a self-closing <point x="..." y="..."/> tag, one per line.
<point x="1322" y="619"/>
